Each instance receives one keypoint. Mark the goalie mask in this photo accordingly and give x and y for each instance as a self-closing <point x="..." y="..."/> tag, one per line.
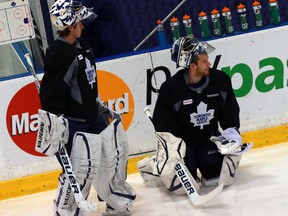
<point x="186" y="49"/>
<point x="66" y="13"/>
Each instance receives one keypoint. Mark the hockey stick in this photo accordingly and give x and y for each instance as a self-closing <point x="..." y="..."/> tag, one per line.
<point x="81" y="202"/>
<point x="155" y="29"/>
<point x="195" y="198"/>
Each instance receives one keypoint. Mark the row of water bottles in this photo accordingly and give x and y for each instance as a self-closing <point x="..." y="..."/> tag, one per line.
<point x="216" y="22"/>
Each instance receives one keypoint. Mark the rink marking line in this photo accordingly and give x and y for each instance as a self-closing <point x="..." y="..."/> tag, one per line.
<point x="48" y="181"/>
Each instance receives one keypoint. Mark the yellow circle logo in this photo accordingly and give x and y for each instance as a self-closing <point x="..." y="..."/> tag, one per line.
<point x="116" y="95"/>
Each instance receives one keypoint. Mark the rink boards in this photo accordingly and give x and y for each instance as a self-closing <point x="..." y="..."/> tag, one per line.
<point x="256" y="62"/>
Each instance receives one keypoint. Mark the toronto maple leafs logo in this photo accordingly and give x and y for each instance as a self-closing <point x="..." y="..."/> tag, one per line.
<point x="202" y="117"/>
<point x="90" y="72"/>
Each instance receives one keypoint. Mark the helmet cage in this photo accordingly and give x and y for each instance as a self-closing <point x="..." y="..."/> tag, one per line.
<point x="186" y="49"/>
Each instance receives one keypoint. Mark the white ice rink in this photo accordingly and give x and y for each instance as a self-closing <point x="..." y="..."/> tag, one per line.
<point x="261" y="189"/>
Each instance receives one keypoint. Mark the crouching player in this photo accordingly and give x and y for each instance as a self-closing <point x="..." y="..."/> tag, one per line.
<point x="72" y="116"/>
<point x="190" y="106"/>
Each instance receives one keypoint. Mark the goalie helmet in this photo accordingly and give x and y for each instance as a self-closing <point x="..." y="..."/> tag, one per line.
<point x="66" y="13"/>
<point x="186" y="49"/>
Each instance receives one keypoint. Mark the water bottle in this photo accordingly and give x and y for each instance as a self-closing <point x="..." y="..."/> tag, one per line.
<point x="161" y="34"/>
<point x="228" y="20"/>
<point x="215" y="16"/>
<point x="275" y="16"/>
<point x="174" y="23"/>
<point x="243" y="18"/>
<point x="205" y="32"/>
<point x="258" y="14"/>
<point x="188" y="25"/>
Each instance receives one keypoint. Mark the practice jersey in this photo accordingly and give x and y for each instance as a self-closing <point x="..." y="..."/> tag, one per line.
<point x="69" y="85"/>
<point x="193" y="113"/>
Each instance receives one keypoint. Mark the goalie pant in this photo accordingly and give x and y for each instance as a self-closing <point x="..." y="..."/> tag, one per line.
<point x="99" y="160"/>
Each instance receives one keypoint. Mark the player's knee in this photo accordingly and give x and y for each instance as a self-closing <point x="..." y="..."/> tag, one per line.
<point x="86" y="154"/>
<point x="228" y="172"/>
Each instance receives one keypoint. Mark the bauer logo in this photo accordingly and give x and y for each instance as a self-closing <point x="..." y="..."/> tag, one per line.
<point x="22" y="118"/>
<point x="116" y="95"/>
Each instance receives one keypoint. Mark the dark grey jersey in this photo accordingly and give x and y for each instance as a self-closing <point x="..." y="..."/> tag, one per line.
<point x="194" y="112"/>
<point x="69" y="85"/>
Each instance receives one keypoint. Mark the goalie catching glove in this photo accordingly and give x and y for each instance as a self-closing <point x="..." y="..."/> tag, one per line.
<point x="229" y="142"/>
<point x="52" y="133"/>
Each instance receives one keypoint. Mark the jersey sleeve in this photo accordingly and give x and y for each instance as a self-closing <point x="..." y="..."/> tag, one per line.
<point x="164" y="118"/>
<point x="229" y="116"/>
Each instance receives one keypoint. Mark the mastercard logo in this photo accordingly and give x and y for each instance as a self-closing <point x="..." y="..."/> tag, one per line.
<point x="116" y="95"/>
<point x="22" y="118"/>
<point x="22" y="111"/>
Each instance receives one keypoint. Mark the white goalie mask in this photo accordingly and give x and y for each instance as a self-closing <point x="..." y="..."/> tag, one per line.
<point x="66" y="13"/>
<point x="186" y="49"/>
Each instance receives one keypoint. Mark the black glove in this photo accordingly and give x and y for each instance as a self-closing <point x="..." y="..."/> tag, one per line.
<point x="108" y="115"/>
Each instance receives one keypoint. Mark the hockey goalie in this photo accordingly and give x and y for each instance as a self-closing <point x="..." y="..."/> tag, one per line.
<point x="196" y="118"/>
<point x="87" y="138"/>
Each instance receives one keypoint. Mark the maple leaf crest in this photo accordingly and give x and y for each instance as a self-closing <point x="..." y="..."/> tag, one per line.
<point x="202" y="117"/>
<point x="90" y="72"/>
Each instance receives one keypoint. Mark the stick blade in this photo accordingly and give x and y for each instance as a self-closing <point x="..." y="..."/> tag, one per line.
<point x="186" y="178"/>
<point x="201" y="200"/>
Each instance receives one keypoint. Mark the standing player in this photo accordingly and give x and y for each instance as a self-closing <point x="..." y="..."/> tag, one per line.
<point x="69" y="91"/>
<point x="191" y="106"/>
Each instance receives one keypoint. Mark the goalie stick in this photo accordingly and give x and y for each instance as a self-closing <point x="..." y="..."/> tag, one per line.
<point x="81" y="202"/>
<point x="195" y="198"/>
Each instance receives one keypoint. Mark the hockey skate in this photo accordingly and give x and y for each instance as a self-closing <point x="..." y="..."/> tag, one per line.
<point x="111" y="212"/>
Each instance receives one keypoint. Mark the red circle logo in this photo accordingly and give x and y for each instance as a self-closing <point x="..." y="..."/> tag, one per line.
<point x="22" y="118"/>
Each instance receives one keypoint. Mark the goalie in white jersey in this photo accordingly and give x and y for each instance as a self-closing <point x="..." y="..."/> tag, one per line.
<point x="72" y="116"/>
<point x="190" y="106"/>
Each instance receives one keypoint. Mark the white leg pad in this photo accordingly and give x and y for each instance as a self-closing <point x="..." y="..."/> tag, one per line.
<point x="111" y="183"/>
<point x="85" y="160"/>
<point x="171" y="151"/>
<point x="228" y="171"/>
<point x="86" y="154"/>
<point x="65" y="204"/>
<point x="145" y="168"/>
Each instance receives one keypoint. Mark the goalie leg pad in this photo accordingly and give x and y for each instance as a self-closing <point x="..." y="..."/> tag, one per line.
<point x="229" y="167"/>
<point x="85" y="160"/>
<point x="52" y="133"/>
<point x="86" y="154"/>
<point x="176" y="186"/>
<point x="64" y="203"/>
<point x="111" y="183"/>
<point x="145" y="168"/>
<point x="171" y="151"/>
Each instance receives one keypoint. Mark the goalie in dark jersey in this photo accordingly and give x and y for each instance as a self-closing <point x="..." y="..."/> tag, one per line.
<point x="191" y="106"/>
<point x="69" y="92"/>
